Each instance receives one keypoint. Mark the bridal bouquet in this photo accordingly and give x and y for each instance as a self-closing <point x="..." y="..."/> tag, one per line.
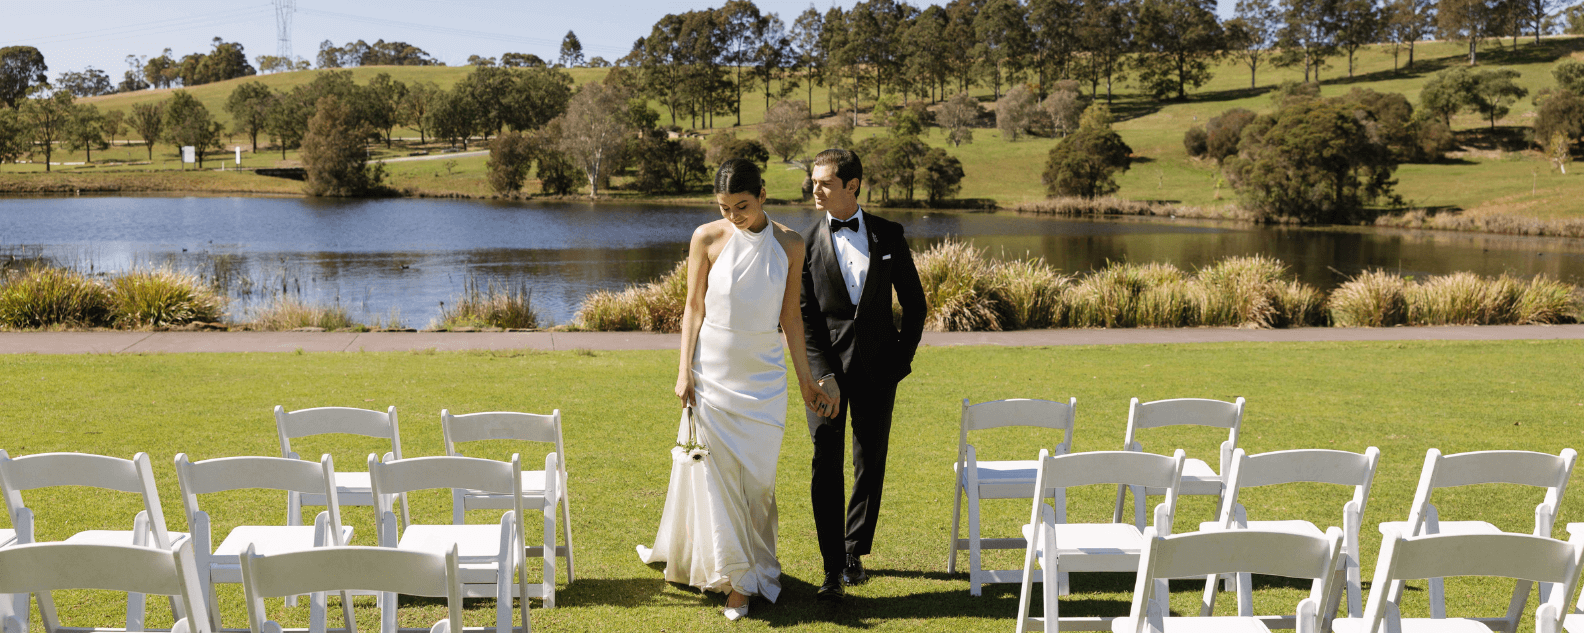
<point x="692" y="450"/>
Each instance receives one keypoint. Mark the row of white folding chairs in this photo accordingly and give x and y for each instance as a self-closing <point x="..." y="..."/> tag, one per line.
<point x="490" y="553"/>
<point x="1207" y="554"/>
<point x="353" y="486"/>
<point x="1118" y="546"/>
<point x="975" y="480"/>
<point x="43" y="567"/>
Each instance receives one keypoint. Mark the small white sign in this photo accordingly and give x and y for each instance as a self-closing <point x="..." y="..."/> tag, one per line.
<point x="189" y="154"/>
<point x="239" y="155"/>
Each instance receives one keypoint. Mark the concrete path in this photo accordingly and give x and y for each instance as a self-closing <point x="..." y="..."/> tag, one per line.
<point x="436" y="156"/>
<point x="184" y="342"/>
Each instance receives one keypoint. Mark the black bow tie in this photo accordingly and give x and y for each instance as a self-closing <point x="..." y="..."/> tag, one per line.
<point x="837" y="225"/>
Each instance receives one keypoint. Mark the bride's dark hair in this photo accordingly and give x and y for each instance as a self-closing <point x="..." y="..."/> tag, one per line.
<point x="738" y="175"/>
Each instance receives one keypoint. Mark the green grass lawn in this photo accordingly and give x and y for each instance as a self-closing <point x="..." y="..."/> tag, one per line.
<point x="620" y="420"/>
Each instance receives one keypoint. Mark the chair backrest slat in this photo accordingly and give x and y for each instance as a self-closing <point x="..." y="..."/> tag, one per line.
<point x="46" y="470"/>
<point x="1525" y="468"/>
<point x="50" y="566"/>
<point x="348" y="568"/>
<point x="1111" y="467"/>
<point x="1321" y="466"/>
<point x="1274" y="553"/>
<point x="240" y="473"/>
<point x="1519" y="556"/>
<point x="499" y="425"/>
<point x="321" y="420"/>
<point x="1186" y="411"/>
<point x="426" y="473"/>
<point x="1046" y="414"/>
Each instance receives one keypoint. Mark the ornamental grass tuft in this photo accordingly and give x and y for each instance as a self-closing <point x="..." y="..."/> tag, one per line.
<point x="652" y="307"/>
<point x="48" y="296"/>
<point x="157" y="297"/>
<point x="287" y="313"/>
<point x="490" y="305"/>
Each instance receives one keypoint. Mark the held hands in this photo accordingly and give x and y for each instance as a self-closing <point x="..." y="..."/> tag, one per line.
<point x="822" y="397"/>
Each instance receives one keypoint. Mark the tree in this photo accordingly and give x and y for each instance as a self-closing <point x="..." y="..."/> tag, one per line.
<point x="1494" y="91"/>
<point x="939" y="175"/>
<point x="48" y="118"/>
<point x="114" y="124"/>
<point x="1560" y="116"/>
<point x="838" y="134"/>
<point x="1446" y="93"/>
<point x="571" y="50"/>
<point x="1053" y="25"/>
<point x="84" y="130"/>
<point x="593" y="130"/>
<point x="148" y="120"/>
<point x="1105" y="33"/>
<point x="891" y="162"/>
<point x="160" y="71"/>
<point x="928" y="52"/>
<point x="1251" y="34"/>
<point x="415" y="105"/>
<point x="14" y="135"/>
<point x="1314" y="161"/>
<point x="22" y="71"/>
<point x="806" y="37"/>
<point x="132" y="78"/>
<point x="249" y="106"/>
<point x="1003" y="41"/>
<point x="1060" y="111"/>
<point x="772" y="55"/>
<point x="669" y="165"/>
<point x="188" y="123"/>
<point x="1196" y="142"/>
<point x="1178" y="40"/>
<point x="1412" y="20"/>
<point x="452" y="116"/>
<point x="537" y="95"/>
<point x="383" y="100"/>
<point x="1308" y="35"/>
<point x="1015" y="112"/>
<point x="91" y="82"/>
<point x="1569" y="75"/>
<point x="1469" y="21"/>
<point x="488" y="92"/>
<point x="1085" y="163"/>
<point x="1537" y="14"/>
<point x="787" y="128"/>
<point x="511" y="154"/>
<point x="333" y="153"/>
<point x="521" y="60"/>
<point x="737" y="22"/>
<point x="1574" y="16"/>
<point x="1359" y="23"/>
<point x="724" y="146"/>
<point x="958" y="116"/>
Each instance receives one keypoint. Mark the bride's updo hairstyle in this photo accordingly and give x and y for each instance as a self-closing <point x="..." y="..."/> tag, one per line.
<point x="738" y="175"/>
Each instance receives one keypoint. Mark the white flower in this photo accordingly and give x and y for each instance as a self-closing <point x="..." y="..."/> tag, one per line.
<point x="698" y="454"/>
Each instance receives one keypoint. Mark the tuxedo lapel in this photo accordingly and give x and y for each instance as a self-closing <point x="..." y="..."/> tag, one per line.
<point x="831" y="265"/>
<point x="875" y="281"/>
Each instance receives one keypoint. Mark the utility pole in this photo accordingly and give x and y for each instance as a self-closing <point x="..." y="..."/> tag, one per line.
<point x="283" y="23"/>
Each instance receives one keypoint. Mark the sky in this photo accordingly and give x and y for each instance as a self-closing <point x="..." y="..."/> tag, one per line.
<point x="73" y="34"/>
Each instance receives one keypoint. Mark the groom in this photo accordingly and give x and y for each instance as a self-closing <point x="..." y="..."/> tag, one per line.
<point x="854" y="261"/>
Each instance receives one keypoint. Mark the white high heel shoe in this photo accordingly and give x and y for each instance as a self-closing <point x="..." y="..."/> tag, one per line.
<point x="736" y="613"/>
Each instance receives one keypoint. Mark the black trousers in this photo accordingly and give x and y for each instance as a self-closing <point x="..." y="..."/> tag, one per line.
<point x="851" y="532"/>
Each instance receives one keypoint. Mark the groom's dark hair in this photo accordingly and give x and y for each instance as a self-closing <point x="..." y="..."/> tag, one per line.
<point x="846" y="163"/>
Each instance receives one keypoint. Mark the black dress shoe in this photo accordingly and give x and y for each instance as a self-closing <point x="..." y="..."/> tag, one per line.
<point x="832" y="590"/>
<point x="854" y="574"/>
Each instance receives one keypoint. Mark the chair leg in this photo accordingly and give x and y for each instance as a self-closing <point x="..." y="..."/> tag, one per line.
<point x="387" y="603"/>
<point x="566" y="525"/>
<point x="549" y="559"/>
<point x="1437" y="599"/>
<point x="1355" y="589"/>
<point x="1515" y="608"/>
<point x="137" y="602"/>
<point x="346" y="613"/>
<point x="974" y="565"/>
<point x="951" y="557"/>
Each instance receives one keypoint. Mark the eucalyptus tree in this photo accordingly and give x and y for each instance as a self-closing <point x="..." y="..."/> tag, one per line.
<point x="1053" y="27"/>
<point x="738" y="21"/>
<point x="1177" y="40"/>
<point x="1251" y="34"/>
<point x="928" y="51"/>
<point x="811" y="56"/>
<point x="22" y="71"/>
<point x="249" y="106"/>
<point x="1004" y="41"/>
<point x="1360" y="23"/>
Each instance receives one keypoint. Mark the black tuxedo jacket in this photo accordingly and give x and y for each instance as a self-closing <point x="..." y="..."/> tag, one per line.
<point x="861" y="344"/>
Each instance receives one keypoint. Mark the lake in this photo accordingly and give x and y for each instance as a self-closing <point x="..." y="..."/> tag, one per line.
<point x="406" y="256"/>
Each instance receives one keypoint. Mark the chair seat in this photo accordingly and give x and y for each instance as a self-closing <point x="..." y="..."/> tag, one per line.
<point x="1415" y="625"/>
<point x="1446" y="527"/>
<point x="7" y="537"/>
<point x="116" y="537"/>
<point x="1009" y="472"/>
<point x="352" y="489"/>
<point x="1198" y="478"/>
<point x="1092" y="546"/>
<point x="270" y="539"/>
<point x="1574" y="623"/>
<point x="1197" y="625"/>
<point x="478" y="546"/>
<point x="533" y="487"/>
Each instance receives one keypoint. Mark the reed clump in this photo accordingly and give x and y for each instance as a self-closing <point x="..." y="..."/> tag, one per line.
<point x="652" y="307"/>
<point x="47" y="296"/>
<point x="490" y="305"/>
<point x="290" y="313"/>
<point x="160" y="297"/>
<point x="1380" y="299"/>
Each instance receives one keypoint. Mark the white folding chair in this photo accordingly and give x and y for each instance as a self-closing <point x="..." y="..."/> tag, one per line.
<point x="488" y="554"/>
<point x="223" y="564"/>
<point x="1270" y="552"/>
<point x="1080" y="547"/>
<point x="1524" y="557"/>
<point x="12" y="605"/>
<point x="50" y="470"/>
<point x="40" y="568"/>
<point x="1198" y="477"/>
<point x="1341" y="468"/>
<point x="978" y="480"/>
<point x="539" y="491"/>
<point x="1526" y="468"/>
<point x="316" y="571"/>
<point x="352" y="487"/>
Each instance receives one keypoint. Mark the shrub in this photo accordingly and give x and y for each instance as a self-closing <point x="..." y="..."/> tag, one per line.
<point x="334" y="155"/>
<point x="724" y="146"/>
<point x="653" y="307"/>
<point x="44" y="296"/>
<point x="1014" y="112"/>
<point x="957" y="116"/>
<point x="1195" y="141"/>
<point x="1313" y="161"/>
<point x="1569" y="75"/>
<point x="1085" y="164"/>
<point x="1435" y="140"/>
<point x="557" y="175"/>
<point x="957" y="288"/>
<point x="287" y="313"/>
<point x="511" y="154"/>
<point x="160" y="297"/>
<point x="1372" y="299"/>
<point x="1292" y="90"/>
<point x="491" y="305"/>
<point x="669" y="165"/>
<point x="1223" y="133"/>
<point x="1239" y="291"/>
<point x="939" y="174"/>
<point x="1545" y="300"/>
<point x="839" y="133"/>
<point x="787" y="128"/>
<point x="1561" y="112"/>
<point x="1062" y="109"/>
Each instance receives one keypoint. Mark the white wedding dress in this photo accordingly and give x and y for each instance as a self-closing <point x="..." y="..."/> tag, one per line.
<point x="718" y="529"/>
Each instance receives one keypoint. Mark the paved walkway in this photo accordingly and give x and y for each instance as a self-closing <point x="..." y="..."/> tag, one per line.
<point x="183" y="342"/>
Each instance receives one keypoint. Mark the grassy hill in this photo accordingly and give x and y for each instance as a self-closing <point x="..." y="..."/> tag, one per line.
<point x="1493" y="172"/>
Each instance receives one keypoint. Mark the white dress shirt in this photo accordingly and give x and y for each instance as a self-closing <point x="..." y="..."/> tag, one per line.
<point x="852" y="253"/>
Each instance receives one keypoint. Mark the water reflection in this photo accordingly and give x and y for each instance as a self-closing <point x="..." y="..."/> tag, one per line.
<point x="408" y="256"/>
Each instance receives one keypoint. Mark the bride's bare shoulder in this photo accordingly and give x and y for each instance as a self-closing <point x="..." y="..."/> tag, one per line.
<point x="711" y="232"/>
<point x="790" y="240"/>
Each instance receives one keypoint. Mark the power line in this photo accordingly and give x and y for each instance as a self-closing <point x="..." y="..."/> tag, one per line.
<point x="283" y="24"/>
<point x="443" y="30"/>
<point x="153" y="28"/>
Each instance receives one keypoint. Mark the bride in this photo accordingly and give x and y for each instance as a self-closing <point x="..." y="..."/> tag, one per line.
<point x="744" y="275"/>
